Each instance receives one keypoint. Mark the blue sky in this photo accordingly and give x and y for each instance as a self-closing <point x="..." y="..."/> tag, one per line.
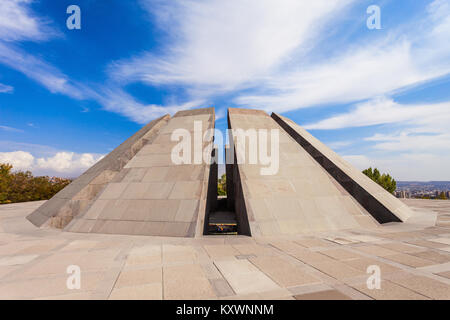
<point x="377" y="97"/>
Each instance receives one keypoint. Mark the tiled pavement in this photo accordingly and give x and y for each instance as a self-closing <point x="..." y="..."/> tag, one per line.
<point x="414" y="263"/>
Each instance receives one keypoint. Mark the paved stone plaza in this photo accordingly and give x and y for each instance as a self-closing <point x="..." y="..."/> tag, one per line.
<point x="414" y="261"/>
<point x="137" y="225"/>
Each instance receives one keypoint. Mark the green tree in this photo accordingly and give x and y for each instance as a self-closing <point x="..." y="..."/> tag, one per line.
<point x="5" y="182"/>
<point x="222" y="186"/>
<point x="384" y="180"/>
<point x="22" y="186"/>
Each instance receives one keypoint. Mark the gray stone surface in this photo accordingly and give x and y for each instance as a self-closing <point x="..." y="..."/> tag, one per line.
<point x="151" y="195"/>
<point x="300" y="198"/>
<point x="382" y="205"/>
<point x="34" y="261"/>
<point x="139" y="190"/>
<point x="79" y="195"/>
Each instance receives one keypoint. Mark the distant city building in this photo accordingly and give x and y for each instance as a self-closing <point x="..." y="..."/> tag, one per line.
<point x="402" y="194"/>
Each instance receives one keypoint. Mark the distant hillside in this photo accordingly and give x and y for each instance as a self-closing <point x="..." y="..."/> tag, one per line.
<point x="421" y="185"/>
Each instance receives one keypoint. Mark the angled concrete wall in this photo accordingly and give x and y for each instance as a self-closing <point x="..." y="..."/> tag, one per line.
<point x="76" y="197"/>
<point x="152" y="195"/>
<point x="301" y="198"/>
<point x="138" y="190"/>
<point x="382" y="205"/>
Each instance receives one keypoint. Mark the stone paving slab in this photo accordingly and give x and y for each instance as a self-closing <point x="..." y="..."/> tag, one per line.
<point x="224" y="267"/>
<point x="323" y="295"/>
<point x="282" y="272"/>
<point x="390" y="291"/>
<point x="425" y="286"/>
<point x="244" y="277"/>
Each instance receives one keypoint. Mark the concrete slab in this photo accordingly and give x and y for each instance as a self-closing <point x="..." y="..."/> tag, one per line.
<point x="390" y="291"/>
<point x="410" y="260"/>
<point x="152" y="195"/>
<point x="323" y="295"/>
<point x="244" y="277"/>
<point x="121" y="267"/>
<point x="283" y="272"/>
<point x="380" y="204"/>
<point x="426" y="286"/>
<point x="151" y="291"/>
<point x="301" y="200"/>
<point x="72" y="200"/>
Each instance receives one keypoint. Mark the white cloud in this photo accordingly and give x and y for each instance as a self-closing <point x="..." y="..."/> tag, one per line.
<point x="35" y="149"/>
<point x="429" y="117"/>
<point x="420" y="128"/>
<point x="407" y="141"/>
<point x="355" y="75"/>
<point x="364" y="70"/>
<point x="414" y="143"/>
<point x="20" y="160"/>
<point x="17" y="22"/>
<point x="40" y="71"/>
<point x="109" y="96"/>
<point x="10" y="129"/>
<point x="5" y="88"/>
<point x="67" y="162"/>
<point x="265" y="47"/>
<point x="63" y="163"/>
<point x="217" y="46"/>
<point x="117" y="100"/>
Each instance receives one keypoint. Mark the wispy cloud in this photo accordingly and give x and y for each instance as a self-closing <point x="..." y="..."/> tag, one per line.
<point x="365" y="69"/>
<point x="424" y="117"/>
<point x="42" y="72"/>
<point x="17" y="22"/>
<point x="415" y="128"/>
<point x="412" y="143"/>
<point x="220" y="46"/>
<point x="110" y="96"/>
<point x="115" y="99"/>
<point x="215" y="47"/>
<point x="10" y="129"/>
<point x="265" y="48"/>
<point x="406" y="166"/>
<point x="5" y="88"/>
